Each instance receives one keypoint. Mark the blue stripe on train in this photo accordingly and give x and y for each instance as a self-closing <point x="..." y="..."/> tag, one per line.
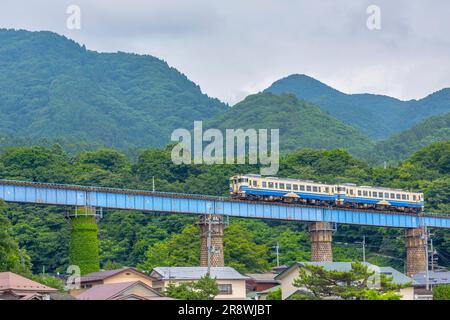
<point x="393" y="203"/>
<point x="277" y="193"/>
<point x="315" y="196"/>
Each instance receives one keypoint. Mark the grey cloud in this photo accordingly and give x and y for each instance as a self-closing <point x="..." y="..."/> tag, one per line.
<point x="237" y="47"/>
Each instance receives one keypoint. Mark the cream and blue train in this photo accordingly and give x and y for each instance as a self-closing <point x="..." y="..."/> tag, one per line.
<point x="258" y="188"/>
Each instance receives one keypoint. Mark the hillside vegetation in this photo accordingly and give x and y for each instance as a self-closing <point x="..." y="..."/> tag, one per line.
<point x="53" y="88"/>
<point x="39" y="235"/>
<point x="402" y="145"/>
<point x="301" y="124"/>
<point x="377" y="115"/>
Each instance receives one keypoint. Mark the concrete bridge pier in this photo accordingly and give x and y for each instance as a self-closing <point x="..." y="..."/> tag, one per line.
<point x="84" y="244"/>
<point x="211" y="240"/>
<point x="321" y="237"/>
<point x="415" y="251"/>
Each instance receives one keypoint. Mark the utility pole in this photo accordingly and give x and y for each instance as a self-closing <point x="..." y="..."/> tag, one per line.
<point x="363" y="243"/>
<point x="427" y="274"/>
<point x="277" y="248"/>
<point x="364" y="248"/>
<point x="208" y="244"/>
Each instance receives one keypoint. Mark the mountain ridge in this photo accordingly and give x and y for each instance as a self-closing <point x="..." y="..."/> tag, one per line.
<point x="379" y="116"/>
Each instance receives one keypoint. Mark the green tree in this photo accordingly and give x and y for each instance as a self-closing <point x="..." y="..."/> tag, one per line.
<point x="352" y="284"/>
<point x="179" y="250"/>
<point x="12" y="258"/>
<point x="441" y="292"/>
<point x="204" y="289"/>
<point x="274" y="295"/>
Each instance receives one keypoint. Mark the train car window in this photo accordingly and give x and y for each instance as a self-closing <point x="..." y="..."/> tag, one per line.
<point x="414" y="197"/>
<point x="380" y="194"/>
<point x="264" y="184"/>
<point x="365" y="193"/>
<point x="308" y="188"/>
<point x="270" y="184"/>
<point x="351" y="191"/>
<point x="320" y="189"/>
<point x="302" y="188"/>
<point x="359" y="192"/>
<point x="407" y="197"/>
<point x="327" y="190"/>
<point x="314" y="189"/>
<point x="288" y="186"/>
<point x="398" y="196"/>
<point x="392" y="196"/>
<point x="281" y="185"/>
<point x="295" y="186"/>
<point x="386" y="195"/>
<point x="276" y="185"/>
<point x="255" y="183"/>
<point x="403" y="196"/>
<point x="250" y="182"/>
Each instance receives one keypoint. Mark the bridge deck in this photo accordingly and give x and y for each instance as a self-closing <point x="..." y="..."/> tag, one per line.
<point x="73" y="195"/>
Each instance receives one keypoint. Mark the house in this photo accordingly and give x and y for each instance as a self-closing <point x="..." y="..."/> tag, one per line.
<point x="261" y="281"/>
<point x="133" y="290"/>
<point x="111" y="276"/>
<point x="231" y="283"/>
<point x="16" y="287"/>
<point x="434" y="278"/>
<point x="287" y="277"/>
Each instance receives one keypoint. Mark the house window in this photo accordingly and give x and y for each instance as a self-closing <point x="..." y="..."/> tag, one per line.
<point x="86" y="286"/>
<point x="225" y="289"/>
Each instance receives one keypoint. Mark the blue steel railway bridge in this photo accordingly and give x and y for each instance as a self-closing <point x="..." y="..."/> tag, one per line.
<point x="88" y="202"/>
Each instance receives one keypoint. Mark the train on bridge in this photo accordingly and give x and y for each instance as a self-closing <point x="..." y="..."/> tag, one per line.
<point x="255" y="187"/>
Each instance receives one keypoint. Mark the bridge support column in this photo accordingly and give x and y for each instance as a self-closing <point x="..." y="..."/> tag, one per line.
<point x="415" y="251"/>
<point x="211" y="241"/>
<point x="321" y="237"/>
<point x="84" y="244"/>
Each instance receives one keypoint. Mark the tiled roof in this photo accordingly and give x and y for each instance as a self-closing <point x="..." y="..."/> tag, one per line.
<point x="111" y="290"/>
<point x="195" y="273"/>
<point x="397" y="277"/>
<point x="12" y="281"/>
<point x="263" y="277"/>
<point x="435" y="277"/>
<point x="102" y="275"/>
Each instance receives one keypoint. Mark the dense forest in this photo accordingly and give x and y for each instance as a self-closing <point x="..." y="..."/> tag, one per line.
<point x="55" y="91"/>
<point x="402" y="145"/>
<point x="301" y="124"/>
<point x="54" y="88"/>
<point x="376" y="115"/>
<point x="36" y="237"/>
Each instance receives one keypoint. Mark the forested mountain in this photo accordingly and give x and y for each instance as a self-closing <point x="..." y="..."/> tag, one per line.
<point x="301" y="124"/>
<point x="133" y="238"/>
<point x="402" y="145"/>
<point x="52" y="87"/>
<point x="376" y="115"/>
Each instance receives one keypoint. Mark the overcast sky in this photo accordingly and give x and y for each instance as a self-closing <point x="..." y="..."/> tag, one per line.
<point x="233" y="48"/>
